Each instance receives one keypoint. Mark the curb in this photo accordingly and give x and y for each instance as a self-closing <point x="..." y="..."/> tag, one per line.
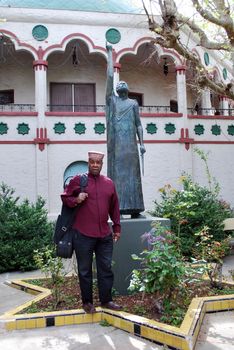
<point x="182" y="338"/>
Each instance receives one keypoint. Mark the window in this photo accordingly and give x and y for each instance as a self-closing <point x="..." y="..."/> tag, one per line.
<point x="72" y="97"/>
<point x="136" y="96"/>
<point x="173" y="106"/>
<point x="73" y="169"/>
<point x="6" y="97"/>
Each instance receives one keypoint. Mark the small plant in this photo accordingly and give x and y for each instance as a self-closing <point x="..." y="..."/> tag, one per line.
<point x="212" y="252"/>
<point x="139" y="310"/>
<point x="52" y="266"/>
<point x="104" y="323"/>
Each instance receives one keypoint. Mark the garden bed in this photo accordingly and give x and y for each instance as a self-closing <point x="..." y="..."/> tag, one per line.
<point x="142" y="304"/>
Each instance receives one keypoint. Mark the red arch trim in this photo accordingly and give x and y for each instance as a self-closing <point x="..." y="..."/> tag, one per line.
<point x="145" y="40"/>
<point x="20" y="43"/>
<point x="73" y="36"/>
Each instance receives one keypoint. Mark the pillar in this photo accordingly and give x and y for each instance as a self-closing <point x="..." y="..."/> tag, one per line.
<point x="41" y="151"/>
<point x="181" y="89"/>
<point x="223" y="105"/>
<point x="206" y="107"/>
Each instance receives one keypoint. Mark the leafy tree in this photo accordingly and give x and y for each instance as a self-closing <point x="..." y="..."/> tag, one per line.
<point x="209" y="16"/>
<point x="24" y="227"/>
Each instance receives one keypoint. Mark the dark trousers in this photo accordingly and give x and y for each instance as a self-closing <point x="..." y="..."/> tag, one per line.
<point x="103" y="248"/>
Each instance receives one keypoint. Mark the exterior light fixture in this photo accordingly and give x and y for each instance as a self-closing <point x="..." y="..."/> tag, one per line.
<point x="165" y="67"/>
<point x="75" y="61"/>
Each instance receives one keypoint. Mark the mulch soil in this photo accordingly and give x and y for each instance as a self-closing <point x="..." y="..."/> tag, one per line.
<point x="143" y="304"/>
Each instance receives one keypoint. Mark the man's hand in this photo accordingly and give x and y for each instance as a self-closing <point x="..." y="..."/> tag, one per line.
<point x="116" y="236"/>
<point x="81" y="197"/>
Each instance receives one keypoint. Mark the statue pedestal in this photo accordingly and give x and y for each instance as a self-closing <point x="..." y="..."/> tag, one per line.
<point x="130" y="243"/>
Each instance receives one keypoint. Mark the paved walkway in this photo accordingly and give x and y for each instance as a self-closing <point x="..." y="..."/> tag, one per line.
<point x="217" y="331"/>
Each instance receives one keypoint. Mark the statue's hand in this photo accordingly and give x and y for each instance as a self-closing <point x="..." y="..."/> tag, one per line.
<point x="142" y="149"/>
<point x="108" y="47"/>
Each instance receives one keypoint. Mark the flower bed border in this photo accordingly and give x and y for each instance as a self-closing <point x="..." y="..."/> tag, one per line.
<point x="182" y="338"/>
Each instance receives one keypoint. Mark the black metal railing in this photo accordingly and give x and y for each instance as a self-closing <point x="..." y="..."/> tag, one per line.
<point x="211" y="111"/>
<point x="17" y="107"/>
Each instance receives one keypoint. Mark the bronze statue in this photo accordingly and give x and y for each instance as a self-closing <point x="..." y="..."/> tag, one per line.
<point x="123" y="124"/>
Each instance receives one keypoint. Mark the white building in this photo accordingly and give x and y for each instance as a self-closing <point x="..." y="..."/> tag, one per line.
<point x="52" y="96"/>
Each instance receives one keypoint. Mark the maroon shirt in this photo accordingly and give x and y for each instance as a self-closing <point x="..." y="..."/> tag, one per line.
<point x="92" y="216"/>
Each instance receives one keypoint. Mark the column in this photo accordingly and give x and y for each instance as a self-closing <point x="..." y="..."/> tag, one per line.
<point x="40" y="69"/>
<point x="206" y="107"/>
<point x="223" y="105"/>
<point x="181" y="89"/>
<point x="41" y="152"/>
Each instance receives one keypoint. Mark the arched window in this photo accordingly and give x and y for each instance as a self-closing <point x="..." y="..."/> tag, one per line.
<point x="74" y="169"/>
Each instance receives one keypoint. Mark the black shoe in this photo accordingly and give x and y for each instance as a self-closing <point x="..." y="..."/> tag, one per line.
<point x="89" y="308"/>
<point x="112" y="306"/>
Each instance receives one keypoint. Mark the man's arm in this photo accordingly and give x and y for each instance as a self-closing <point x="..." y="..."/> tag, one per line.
<point x="115" y="216"/>
<point x="110" y="73"/>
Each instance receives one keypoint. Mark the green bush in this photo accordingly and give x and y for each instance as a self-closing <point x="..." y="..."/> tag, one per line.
<point x="24" y="227"/>
<point x="192" y="209"/>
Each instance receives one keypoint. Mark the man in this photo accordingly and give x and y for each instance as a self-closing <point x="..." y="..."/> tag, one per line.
<point x="92" y="233"/>
<point x="123" y="124"/>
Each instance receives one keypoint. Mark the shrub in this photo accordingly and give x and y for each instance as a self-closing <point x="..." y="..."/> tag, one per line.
<point x="162" y="265"/>
<point x="24" y="227"/>
<point x="194" y="208"/>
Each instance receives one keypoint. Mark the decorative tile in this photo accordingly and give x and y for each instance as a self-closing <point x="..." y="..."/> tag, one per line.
<point x="3" y="128"/>
<point x="170" y="128"/>
<point x="59" y="128"/>
<point x="151" y="128"/>
<point x="216" y="130"/>
<point x="23" y="129"/>
<point x="80" y="128"/>
<point x="99" y="128"/>
<point x="199" y="129"/>
<point x="230" y="130"/>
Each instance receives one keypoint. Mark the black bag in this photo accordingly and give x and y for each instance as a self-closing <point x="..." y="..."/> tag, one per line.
<point x="63" y="226"/>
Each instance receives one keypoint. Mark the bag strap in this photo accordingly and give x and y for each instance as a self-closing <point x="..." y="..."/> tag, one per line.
<point x="83" y="184"/>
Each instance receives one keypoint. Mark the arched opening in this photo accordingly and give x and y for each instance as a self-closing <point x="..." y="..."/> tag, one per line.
<point x="76" y="79"/>
<point x="151" y="76"/>
<point x="16" y="72"/>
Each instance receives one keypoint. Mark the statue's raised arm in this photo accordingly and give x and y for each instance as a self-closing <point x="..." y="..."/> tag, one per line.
<point x="110" y="73"/>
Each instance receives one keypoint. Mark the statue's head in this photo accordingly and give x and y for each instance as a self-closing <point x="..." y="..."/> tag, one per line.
<point x="122" y="86"/>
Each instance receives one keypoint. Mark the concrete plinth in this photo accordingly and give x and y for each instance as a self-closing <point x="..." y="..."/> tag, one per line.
<point x="131" y="243"/>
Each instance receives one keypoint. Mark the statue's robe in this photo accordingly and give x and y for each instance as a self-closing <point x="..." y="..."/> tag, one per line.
<point x="123" y="166"/>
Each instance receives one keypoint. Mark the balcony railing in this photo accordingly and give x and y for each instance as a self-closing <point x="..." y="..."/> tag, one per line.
<point x="12" y="107"/>
<point x="211" y="111"/>
<point x="101" y="108"/>
<point x="17" y="107"/>
<point x="75" y="108"/>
